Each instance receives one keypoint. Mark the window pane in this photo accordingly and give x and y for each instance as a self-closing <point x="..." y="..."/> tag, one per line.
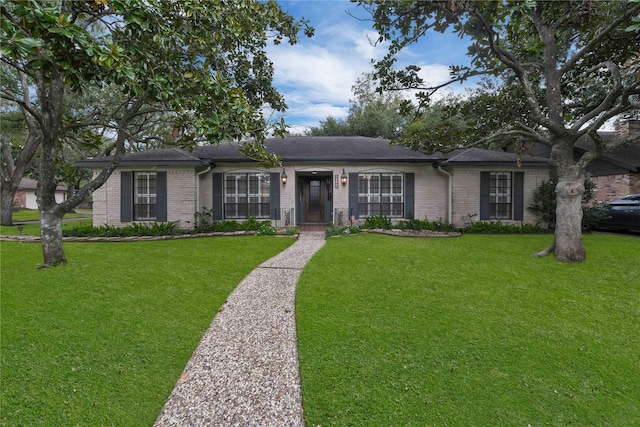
<point x="247" y="194"/>
<point x="144" y="196"/>
<point x="381" y="194"/>
<point x="500" y="195"/>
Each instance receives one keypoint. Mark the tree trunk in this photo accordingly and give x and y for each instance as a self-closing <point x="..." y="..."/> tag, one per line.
<point x="568" y="234"/>
<point x="6" y="202"/>
<point x="51" y="235"/>
<point x="51" y="93"/>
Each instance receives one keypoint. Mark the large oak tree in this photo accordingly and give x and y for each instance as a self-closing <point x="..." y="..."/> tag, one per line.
<point x="564" y="68"/>
<point x="201" y="66"/>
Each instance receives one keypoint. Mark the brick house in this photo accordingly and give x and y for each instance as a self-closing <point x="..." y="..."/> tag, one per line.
<point x="616" y="173"/>
<point x="323" y="180"/>
<point x="25" y="197"/>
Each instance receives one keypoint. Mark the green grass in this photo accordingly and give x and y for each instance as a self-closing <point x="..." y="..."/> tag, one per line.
<point x="33" y="215"/>
<point x="102" y="340"/>
<point x="470" y="331"/>
<point x="34" y="229"/>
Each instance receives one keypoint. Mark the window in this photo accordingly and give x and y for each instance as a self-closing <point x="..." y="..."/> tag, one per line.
<point x="381" y="194"/>
<point x="500" y="195"/>
<point x="246" y="195"/>
<point x="145" y="196"/>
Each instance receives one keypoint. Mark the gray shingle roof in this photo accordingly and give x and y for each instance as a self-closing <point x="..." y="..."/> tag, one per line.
<point x="625" y="156"/>
<point x="300" y="149"/>
<point x="322" y="149"/>
<point x="479" y="156"/>
<point x="162" y="157"/>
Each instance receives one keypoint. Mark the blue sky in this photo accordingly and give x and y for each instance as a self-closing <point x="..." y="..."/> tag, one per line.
<point x="316" y="75"/>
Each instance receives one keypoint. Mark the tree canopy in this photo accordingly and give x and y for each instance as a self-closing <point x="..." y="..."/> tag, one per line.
<point x="200" y="66"/>
<point x="563" y="69"/>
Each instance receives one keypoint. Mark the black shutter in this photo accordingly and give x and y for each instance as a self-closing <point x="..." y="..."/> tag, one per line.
<point x="518" y="196"/>
<point x="409" y="194"/>
<point x="218" y="194"/>
<point x="161" y="196"/>
<point x="126" y="195"/>
<point x="485" y="189"/>
<point x="353" y="195"/>
<point x="274" y="194"/>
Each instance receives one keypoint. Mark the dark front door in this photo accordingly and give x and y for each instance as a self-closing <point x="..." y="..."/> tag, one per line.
<point x="315" y="196"/>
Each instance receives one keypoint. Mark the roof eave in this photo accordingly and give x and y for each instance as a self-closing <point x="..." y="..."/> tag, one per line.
<point x="100" y="164"/>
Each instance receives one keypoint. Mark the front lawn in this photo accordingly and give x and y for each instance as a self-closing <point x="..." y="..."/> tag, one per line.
<point x="103" y="340"/>
<point x="20" y="215"/>
<point x="470" y="331"/>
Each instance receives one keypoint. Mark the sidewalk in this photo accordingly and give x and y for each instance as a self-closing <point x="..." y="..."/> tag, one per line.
<point x="245" y="370"/>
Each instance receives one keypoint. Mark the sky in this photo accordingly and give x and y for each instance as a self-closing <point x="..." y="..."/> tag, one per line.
<point x="316" y="75"/>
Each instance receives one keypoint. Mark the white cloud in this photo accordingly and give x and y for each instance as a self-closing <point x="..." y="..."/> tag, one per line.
<point x="314" y="72"/>
<point x="434" y="74"/>
<point x="316" y="75"/>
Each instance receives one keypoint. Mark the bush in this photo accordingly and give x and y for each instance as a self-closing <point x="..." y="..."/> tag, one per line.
<point x="380" y="221"/>
<point x="592" y="215"/>
<point x="267" y="230"/>
<point x="500" y="228"/>
<point x="417" y="224"/>
<point x="337" y="231"/>
<point x="132" y="230"/>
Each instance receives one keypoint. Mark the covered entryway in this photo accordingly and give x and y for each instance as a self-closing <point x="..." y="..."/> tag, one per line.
<point x="315" y="198"/>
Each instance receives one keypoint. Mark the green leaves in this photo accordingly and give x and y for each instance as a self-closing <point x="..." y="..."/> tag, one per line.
<point x="204" y="60"/>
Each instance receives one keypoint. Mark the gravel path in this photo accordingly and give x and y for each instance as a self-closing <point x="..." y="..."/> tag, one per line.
<point x="245" y="370"/>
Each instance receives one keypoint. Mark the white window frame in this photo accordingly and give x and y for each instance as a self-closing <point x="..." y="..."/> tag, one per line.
<point x="246" y="194"/>
<point x="501" y="195"/>
<point x="145" y="196"/>
<point x="375" y="198"/>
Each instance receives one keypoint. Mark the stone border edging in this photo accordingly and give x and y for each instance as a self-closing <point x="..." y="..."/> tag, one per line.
<point x="34" y="239"/>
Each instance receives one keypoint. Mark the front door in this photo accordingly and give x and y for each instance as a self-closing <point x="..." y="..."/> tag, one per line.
<point x="315" y="196"/>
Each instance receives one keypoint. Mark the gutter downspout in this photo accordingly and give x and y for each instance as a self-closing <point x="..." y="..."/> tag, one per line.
<point x="449" y="195"/>
<point x="208" y="169"/>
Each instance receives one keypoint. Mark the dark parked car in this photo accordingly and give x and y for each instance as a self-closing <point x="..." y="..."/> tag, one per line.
<point x="623" y="214"/>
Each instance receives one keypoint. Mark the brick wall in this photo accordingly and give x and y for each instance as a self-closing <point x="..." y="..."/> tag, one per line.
<point x="430" y="186"/>
<point x="181" y="200"/>
<point x="466" y="193"/>
<point x="20" y="200"/>
<point x="611" y="187"/>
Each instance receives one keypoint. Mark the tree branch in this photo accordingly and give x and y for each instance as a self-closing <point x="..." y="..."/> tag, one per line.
<point x="571" y="62"/>
<point x="608" y="100"/>
<point x="510" y="60"/>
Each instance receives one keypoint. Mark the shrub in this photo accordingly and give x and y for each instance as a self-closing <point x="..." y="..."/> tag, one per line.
<point x="500" y="228"/>
<point x="380" y="221"/>
<point x="203" y="220"/>
<point x="337" y="231"/>
<point x="417" y="224"/>
<point x="592" y="215"/>
<point x="267" y="229"/>
<point x="133" y="230"/>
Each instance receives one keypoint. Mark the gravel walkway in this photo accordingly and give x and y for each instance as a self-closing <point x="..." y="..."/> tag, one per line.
<point x="245" y="370"/>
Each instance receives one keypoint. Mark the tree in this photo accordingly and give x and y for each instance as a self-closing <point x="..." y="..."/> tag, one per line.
<point x="19" y="142"/>
<point x="202" y="66"/>
<point x="563" y="69"/>
<point x="372" y="113"/>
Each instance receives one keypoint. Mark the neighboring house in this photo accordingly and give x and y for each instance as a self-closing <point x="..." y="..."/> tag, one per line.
<point x="323" y="180"/>
<point x="616" y="173"/>
<point x="25" y="197"/>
